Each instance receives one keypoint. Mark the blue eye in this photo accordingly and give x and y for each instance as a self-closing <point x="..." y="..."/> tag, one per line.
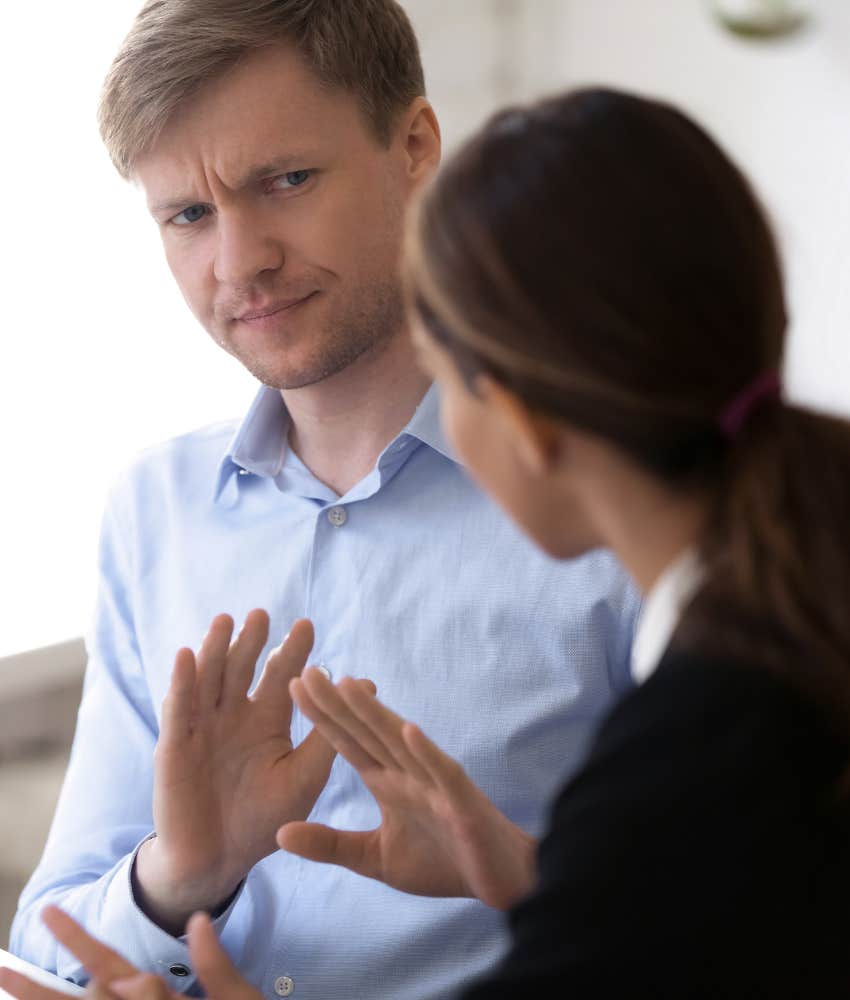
<point x="189" y="215"/>
<point x="294" y="179"/>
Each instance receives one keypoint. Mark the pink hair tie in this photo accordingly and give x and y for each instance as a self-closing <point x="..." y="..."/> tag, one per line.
<point x="766" y="388"/>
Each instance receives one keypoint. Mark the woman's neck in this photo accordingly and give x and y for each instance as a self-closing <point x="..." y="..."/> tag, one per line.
<point x="649" y="537"/>
<point x="643" y="521"/>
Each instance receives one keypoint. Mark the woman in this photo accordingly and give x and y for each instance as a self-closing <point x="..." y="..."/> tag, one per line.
<point x="595" y="287"/>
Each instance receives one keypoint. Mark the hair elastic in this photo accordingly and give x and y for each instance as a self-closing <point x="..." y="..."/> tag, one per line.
<point x="766" y="388"/>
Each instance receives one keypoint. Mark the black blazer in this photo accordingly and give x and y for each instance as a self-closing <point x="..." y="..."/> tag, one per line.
<point x="699" y="853"/>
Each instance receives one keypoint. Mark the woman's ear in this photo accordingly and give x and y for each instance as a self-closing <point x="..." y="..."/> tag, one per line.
<point x="537" y="440"/>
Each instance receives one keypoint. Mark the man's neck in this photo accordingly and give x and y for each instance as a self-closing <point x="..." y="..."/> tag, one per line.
<point x="341" y="425"/>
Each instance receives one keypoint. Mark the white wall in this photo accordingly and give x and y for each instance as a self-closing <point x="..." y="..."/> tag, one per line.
<point x="101" y="356"/>
<point x="782" y="108"/>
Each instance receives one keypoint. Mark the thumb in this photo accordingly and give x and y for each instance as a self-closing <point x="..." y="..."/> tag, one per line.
<point x="315" y="757"/>
<point x="218" y="975"/>
<point x="285" y="662"/>
<point x="355" y="850"/>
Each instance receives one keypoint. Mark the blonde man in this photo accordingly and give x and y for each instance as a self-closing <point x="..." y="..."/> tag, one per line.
<point x="277" y="143"/>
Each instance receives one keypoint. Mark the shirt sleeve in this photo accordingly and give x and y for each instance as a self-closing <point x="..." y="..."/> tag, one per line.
<point x="666" y="865"/>
<point x="104" y="811"/>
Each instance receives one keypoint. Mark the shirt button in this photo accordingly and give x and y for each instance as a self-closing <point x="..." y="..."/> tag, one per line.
<point x="179" y="970"/>
<point x="337" y="516"/>
<point x="244" y="472"/>
<point x="284" y="985"/>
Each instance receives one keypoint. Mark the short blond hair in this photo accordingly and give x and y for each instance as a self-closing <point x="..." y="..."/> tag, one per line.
<point x="365" y="47"/>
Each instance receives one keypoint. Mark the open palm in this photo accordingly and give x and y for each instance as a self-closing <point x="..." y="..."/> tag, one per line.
<point x="439" y="835"/>
<point x="225" y="772"/>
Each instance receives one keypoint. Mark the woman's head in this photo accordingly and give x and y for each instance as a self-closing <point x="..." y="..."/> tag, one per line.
<point x="601" y="257"/>
<point x="598" y="261"/>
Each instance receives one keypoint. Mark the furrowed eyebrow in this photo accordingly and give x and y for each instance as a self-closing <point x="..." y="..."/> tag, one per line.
<point x="252" y="176"/>
<point x="167" y="207"/>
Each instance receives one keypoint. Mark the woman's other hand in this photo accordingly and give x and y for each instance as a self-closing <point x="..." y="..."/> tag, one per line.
<point x="439" y="835"/>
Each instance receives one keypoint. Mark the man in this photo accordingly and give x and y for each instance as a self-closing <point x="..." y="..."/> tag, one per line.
<point x="277" y="145"/>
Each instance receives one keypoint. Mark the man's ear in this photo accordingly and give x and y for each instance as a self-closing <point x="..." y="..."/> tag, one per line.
<point x="420" y="136"/>
<point x="537" y="440"/>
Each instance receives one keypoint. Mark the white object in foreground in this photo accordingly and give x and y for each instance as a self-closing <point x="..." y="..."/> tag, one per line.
<point x="39" y="975"/>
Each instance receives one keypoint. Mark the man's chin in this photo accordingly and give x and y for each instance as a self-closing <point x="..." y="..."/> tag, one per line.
<point x="288" y="374"/>
<point x="291" y="377"/>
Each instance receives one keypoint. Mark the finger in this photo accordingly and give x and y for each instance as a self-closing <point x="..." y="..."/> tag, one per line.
<point x="102" y="962"/>
<point x="444" y="770"/>
<point x="244" y="651"/>
<point x="144" y="986"/>
<point x="329" y="700"/>
<point x="24" y="988"/>
<point x="355" y="850"/>
<point x="211" y="661"/>
<point x="178" y="706"/>
<point x="384" y="724"/>
<point x="217" y="973"/>
<point x="96" y="990"/>
<point x="285" y="662"/>
<point x="336" y="735"/>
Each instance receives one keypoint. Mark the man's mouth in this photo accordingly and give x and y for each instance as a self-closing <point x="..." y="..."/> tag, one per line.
<point x="273" y="308"/>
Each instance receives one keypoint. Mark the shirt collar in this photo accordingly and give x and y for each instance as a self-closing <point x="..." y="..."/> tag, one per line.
<point x="259" y="445"/>
<point x="662" y="610"/>
<point x="426" y="427"/>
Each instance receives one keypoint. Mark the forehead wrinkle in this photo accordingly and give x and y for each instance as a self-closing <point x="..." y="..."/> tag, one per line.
<point x="237" y="129"/>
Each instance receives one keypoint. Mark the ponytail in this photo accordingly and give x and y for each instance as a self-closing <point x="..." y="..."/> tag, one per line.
<point x="777" y="554"/>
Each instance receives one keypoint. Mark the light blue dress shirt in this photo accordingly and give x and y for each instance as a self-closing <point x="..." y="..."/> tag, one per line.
<point x="505" y="657"/>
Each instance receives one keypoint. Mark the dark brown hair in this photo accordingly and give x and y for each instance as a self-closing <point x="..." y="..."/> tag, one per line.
<point x="600" y="255"/>
<point x="366" y="47"/>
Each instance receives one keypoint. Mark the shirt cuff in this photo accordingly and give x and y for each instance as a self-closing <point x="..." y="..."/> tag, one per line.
<point x="151" y="949"/>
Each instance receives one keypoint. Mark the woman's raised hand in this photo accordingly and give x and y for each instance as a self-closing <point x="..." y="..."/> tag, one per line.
<point x="439" y="835"/>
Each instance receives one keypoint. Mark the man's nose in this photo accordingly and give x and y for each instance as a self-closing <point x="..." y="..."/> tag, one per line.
<point x="245" y="248"/>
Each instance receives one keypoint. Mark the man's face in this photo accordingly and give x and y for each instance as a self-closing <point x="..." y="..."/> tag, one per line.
<point x="281" y="217"/>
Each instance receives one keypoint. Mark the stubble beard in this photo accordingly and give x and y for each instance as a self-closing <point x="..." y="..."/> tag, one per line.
<point x="364" y="328"/>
